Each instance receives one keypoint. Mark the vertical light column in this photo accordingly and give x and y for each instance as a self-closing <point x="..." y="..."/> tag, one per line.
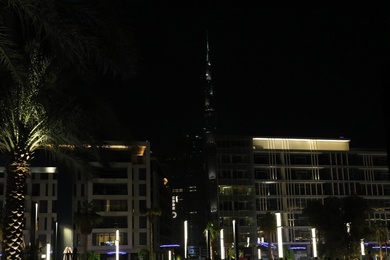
<point x="362" y="247"/>
<point x="185" y="239"/>
<point x="314" y="241"/>
<point x="260" y="241"/>
<point x="55" y="240"/>
<point x="222" y="244"/>
<point x="117" y="244"/>
<point x="36" y="220"/>
<point x="48" y="251"/>
<point x="279" y="235"/>
<point x="169" y="254"/>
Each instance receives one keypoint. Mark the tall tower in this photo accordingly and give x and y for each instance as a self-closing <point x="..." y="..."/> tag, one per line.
<point x="210" y="126"/>
<point x="210" y="145"/>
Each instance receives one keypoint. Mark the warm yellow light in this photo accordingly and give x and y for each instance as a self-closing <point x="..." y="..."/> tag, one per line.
<point x="314" y="241"/>
<point x="222" y="244"/>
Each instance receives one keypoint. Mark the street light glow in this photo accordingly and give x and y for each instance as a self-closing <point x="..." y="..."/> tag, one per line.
<point x="279" y="234"/>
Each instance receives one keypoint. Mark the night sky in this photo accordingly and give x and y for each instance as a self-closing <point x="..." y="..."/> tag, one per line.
<point x="306" y="70"/>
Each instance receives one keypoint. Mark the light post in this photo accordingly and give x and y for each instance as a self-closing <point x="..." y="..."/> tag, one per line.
<point x="185" y="238"/>
<point x="314" y="241"/>
<point x="279" y="234"/>
<point x="222" y="244"/>
<point x="48" y="251"/>
<point x="117" y="244"/>
<point x="260" y="241"/>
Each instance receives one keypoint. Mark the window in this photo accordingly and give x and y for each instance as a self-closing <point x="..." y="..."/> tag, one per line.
<point x="35" y="189"/>
<point x="262" y="174"/>
<point x="109" y="189"/>
<point x="142" y="189"/>
<point x="143" y="239"/>
<point x="116" y="173"/>
<point x="43" y="206"/>
<point x="108" y="239"/>
<point x="142" y="174"/>
<point x="142" y="222"/>
<point x="261" y="159"/>
<point x="113" y="221"/>
<point x="142" y="205"/>
<point x="110" y="205"/>
<point x="54" y="206"/>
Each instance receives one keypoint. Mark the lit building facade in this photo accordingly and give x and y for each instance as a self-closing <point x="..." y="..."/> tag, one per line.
<point x="122" y="189"/>
<point x="41" y="226"/>
<point x="259" y="175"/>
<point x="122" y="193"/>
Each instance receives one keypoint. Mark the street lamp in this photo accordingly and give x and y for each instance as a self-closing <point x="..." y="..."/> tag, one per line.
<point x="222" y="244"/>
<point x="117" y="244"/>
<point x="314" y="241"/>
<point x="279" y="234"/>
<point x="48" y="251"/>
<point x="185" y="238"/>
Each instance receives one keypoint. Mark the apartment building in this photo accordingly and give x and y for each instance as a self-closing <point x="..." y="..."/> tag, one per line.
<point x="41" y="207"/>
<point x="122" y="189"/>
<point x="259" y="175"/>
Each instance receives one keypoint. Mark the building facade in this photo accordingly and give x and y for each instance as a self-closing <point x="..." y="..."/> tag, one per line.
<point x="124" y="192"/>
<point x="281" y="175"/>
<point x="123" y="188"/>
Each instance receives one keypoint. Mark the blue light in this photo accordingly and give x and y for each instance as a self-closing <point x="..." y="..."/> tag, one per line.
<point x="298" y="248"/>
<point x="170" y="245"/>
<point x="266" y="244"/>
<point x="113" y="252"/>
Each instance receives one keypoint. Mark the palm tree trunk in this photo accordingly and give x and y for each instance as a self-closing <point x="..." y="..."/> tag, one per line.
<point x="151" y="242"/>
<point x="14" y="209"/>
<point x="85" y="243"/>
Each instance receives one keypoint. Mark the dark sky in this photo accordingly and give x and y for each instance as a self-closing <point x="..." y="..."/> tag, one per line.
<point x="306" y="70"/>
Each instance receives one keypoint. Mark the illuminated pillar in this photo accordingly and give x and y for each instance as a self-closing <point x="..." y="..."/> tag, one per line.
<point x="55" y="242"/>
<point x="314" y="241"/>
<point x="222" y="244"/>
<point x="260" y="241"/>
<point x="117" y="244"/>
<point x="185" y="239"/>
<point x="208" y="244"/>
<point x="48" y="251"/>
<point x="169" y="254"/>
<point x="279" y="235"/>
<point x="362" y="247"/>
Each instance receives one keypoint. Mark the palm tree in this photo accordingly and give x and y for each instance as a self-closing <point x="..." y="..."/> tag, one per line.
<point x="86" y="219"/>
<point x="87" y="35"/>
<point x="211" y="232"/>
<point x="267" y="224"/>
<point x="26" y="125"/>
<point x="151" y="213"/>
<point x="380" y="233"/>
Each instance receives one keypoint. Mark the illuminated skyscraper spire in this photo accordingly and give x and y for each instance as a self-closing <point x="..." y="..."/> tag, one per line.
<point x="210" y="144"/>
<point x="210" y="126"/>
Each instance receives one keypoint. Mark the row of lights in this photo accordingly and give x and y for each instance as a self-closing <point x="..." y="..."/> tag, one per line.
<point x="279" y="239"/>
